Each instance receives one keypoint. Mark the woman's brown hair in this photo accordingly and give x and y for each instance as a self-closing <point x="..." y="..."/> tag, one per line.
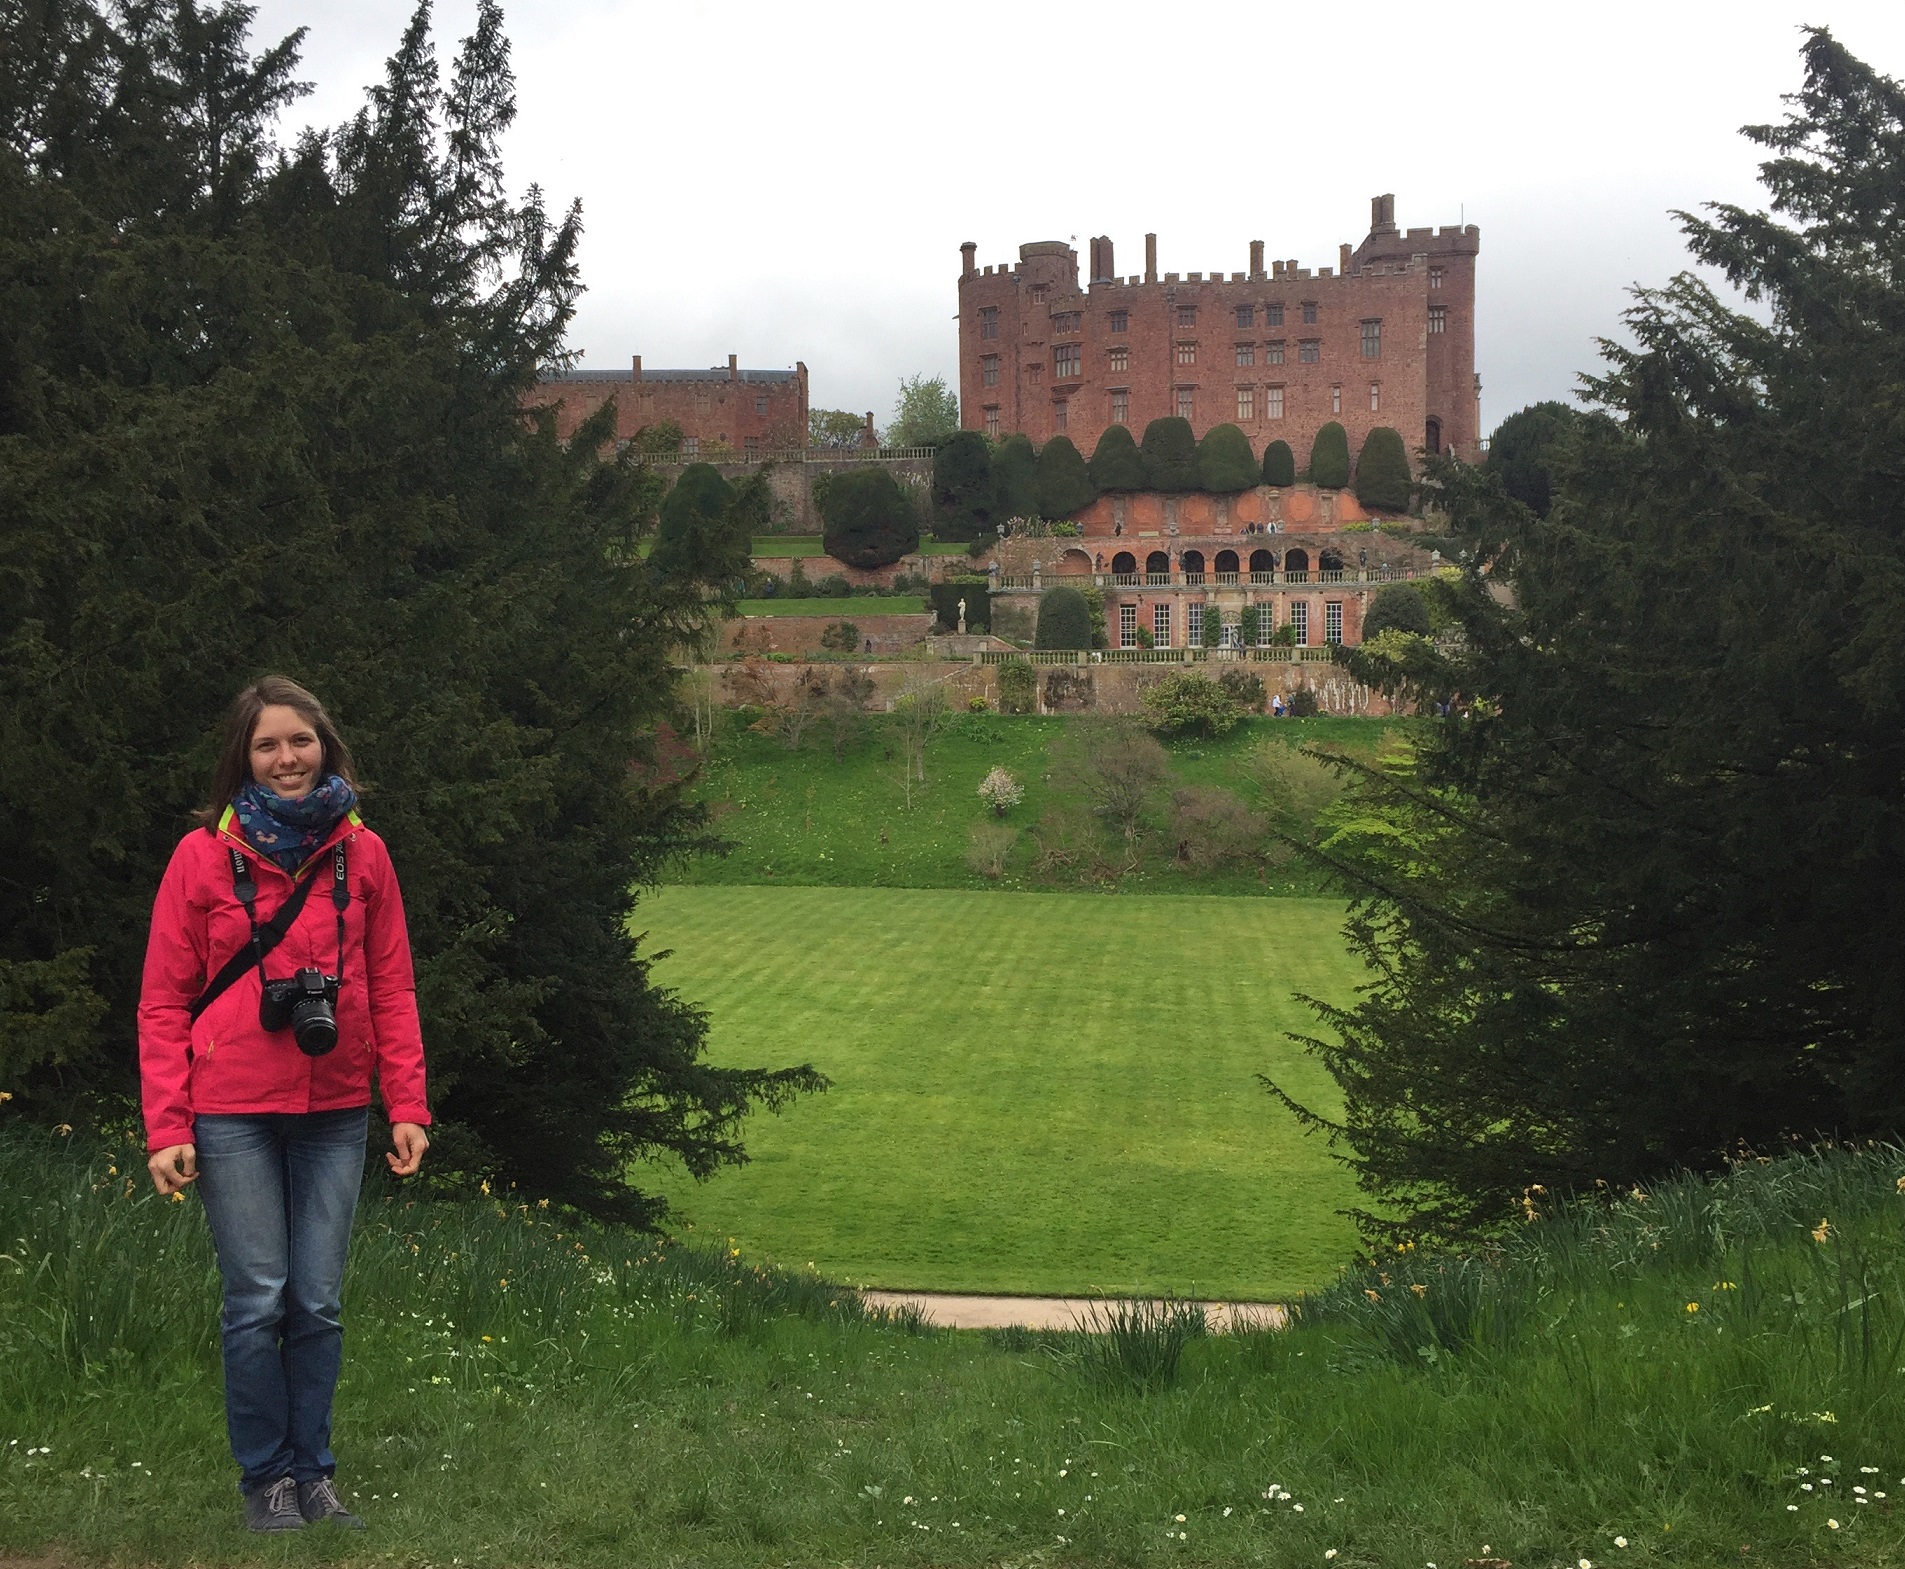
<point x="233" y="770"/>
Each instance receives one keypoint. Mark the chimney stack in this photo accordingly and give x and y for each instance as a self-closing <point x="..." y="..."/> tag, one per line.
<point x="638" y="367"/>
<point x="734" y="367"/>
<point x="1150" y="258"/>
<point x="966" y="253"/>
<point x="1256" y="258"/>
<point x="1382" y="214"/>
<point x="1102" y="269"/>
<point x="1342" y="259"/>
<point x="869" y="438"/>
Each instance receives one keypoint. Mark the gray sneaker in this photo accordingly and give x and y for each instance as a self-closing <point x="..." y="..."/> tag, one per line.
<point x="319" y="1501"/>
<point x="274" y="1507"/>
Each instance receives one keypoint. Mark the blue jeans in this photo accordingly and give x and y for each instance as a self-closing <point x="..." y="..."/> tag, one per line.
<point x="280" y="1190"/>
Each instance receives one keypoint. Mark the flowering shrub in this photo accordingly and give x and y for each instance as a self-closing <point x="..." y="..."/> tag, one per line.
<point x="1000" y="791"/>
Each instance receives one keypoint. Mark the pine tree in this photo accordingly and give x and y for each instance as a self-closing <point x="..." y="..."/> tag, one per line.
<point x="1116" y="463"/>
<point x="1062" y="486"/>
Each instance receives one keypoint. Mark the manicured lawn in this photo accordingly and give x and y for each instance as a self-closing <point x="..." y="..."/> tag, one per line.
<point x="801" y="817"/>
<point x="781" y="546"/>
<point x="1032" y="1093"/>
<point x="836" y="609"/>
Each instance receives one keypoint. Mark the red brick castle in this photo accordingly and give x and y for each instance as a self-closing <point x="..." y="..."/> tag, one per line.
<point x="1387" y="337"/>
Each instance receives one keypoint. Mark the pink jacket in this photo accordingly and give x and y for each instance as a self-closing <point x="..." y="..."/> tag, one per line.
<point x="225" y="1062"/>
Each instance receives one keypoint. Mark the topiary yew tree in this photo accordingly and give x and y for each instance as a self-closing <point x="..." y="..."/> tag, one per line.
<point x="1383" y="480"/>
<point x="1064" y="620"/>
<point x="1398" y="608"/>
<point x="1329" y="457"/>
<point x="1116" y="463"/>
<point x="1170" y="454"/>
<point x="1631" y="907"/>
<point x="705" y="529"/>
<point x="1279" y="464"/>
<point x="1225" y="463"/>
<point x="1521" y="451"/>
<point x="870" y="521"/>
<point x="1062" y="486"/>
<point x="962" y="487"/>
<point x="1014" y="479"/>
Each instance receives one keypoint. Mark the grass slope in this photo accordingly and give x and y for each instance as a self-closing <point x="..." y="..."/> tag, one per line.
<point x="615" y="1406"/>
<point x="801" y="817"/>
<point x="837" y="609"/>
<point x="1032" y="1093"/>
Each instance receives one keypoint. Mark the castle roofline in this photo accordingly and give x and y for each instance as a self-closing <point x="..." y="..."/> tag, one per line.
<point x="670" y="375"/>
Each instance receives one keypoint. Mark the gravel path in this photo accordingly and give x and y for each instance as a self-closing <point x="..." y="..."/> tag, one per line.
<point x="950" y="1311"/>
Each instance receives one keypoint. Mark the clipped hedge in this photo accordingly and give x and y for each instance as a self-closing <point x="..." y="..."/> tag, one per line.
<point x="1398" y="608"/>
<point x="962" y="487"/>
<point x="870" y="521"/>
<point x="1169" y="450"/>
<point x="1329" y="457"/>
<point x="1225" y="463"/>
<point x="1014" y="479"/>
<point x="1279" y="464"/>
<point x="1116" y="463"/>
<point x="1063" y="484"/>
<point x="1383" y="480"/>
<point x="1064" y="620"/>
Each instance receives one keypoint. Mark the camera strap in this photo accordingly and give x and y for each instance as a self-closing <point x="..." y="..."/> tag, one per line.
<point x="266" y="936"/>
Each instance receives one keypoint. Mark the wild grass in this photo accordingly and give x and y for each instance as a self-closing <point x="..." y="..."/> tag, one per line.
<point x="523" y="1390"/>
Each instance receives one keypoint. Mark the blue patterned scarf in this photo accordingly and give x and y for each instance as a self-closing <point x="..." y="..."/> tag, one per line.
<point x="286" y="830"/>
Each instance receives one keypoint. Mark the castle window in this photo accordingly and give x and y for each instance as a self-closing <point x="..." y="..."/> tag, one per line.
<point x="1187" y="354"/>
<point x="1121" y="407"/>
<point x="989" y="322"/>
<point x="1127" y="625"/>
<point x="1120" y="359"/>
<point x="1161" y="624"/>
<point x="1061" y="414"/>
<point x="1309" y="313"/>
<point x="1333" y="621"/>
<point x="1187" y="315"/>
<point x="1273" y="315"/>
<point x="1035" y="371"/>
<point x="691" y="447"/>
<point x="751" y="448"/>
<point x="1246" y="403"/>
<point x="992" y="421"/>
<point x="1309" y="351"/>
<point x="1186" y="403"/>
<point x="1372" y="339"/>
<point x="1273" y="353"/>
<point x="1246" y="316"/>
<point x="1438" y="318"/>
<point x="1120" y="321"/>
<point x="1336" y="400"/>
<point x="1273" y="403"/>
<point x="1300" y="622"/>
<point x="1066" y="321"/>
<point x="1038" y="294"/>
<point x="989" y="370"/>
<point x="1375" y="397"/>
<point x="760" y="405"/>
<point x="1065" y="359"/>
<point x="1194" y="622"/>
<point x="1246" y="354"/>
<point x="1435" y="277"/>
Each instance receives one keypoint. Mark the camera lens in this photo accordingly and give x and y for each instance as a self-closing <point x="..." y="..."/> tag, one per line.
<point x="314" y="1025"/>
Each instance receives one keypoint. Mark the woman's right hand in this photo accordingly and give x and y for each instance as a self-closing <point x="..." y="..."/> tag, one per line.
<point x="172" y="1168"/>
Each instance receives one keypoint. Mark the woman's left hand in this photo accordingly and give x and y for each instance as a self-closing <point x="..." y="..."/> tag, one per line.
<point x="409" y="1142"/>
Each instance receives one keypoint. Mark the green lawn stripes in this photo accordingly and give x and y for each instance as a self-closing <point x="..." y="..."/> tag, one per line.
<point x="1042" y="1093"/>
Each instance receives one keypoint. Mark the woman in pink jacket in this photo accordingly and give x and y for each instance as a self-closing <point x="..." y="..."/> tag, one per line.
<point x="277" y="982"/>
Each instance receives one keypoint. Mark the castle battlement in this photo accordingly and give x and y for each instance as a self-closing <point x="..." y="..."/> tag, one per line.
<point x="1383" y="337"/>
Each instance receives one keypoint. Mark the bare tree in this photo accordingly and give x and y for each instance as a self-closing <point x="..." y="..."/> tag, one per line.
<point x="1120" y="769"/>
<point x="788" y="716"/>
<point x="847" y="695"/>
<point x="918" y="712"/>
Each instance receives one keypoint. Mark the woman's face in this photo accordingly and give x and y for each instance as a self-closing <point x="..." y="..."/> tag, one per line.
<point x="286" y="753"/>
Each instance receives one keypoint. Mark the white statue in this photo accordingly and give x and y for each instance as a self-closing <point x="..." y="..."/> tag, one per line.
<point x="962" y="618"/>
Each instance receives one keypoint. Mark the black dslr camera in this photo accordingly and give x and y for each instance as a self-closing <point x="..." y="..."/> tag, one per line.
<point x="307" y="1005"/>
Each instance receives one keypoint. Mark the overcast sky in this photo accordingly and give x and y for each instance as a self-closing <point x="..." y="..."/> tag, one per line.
<point x="791" y="184"/>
